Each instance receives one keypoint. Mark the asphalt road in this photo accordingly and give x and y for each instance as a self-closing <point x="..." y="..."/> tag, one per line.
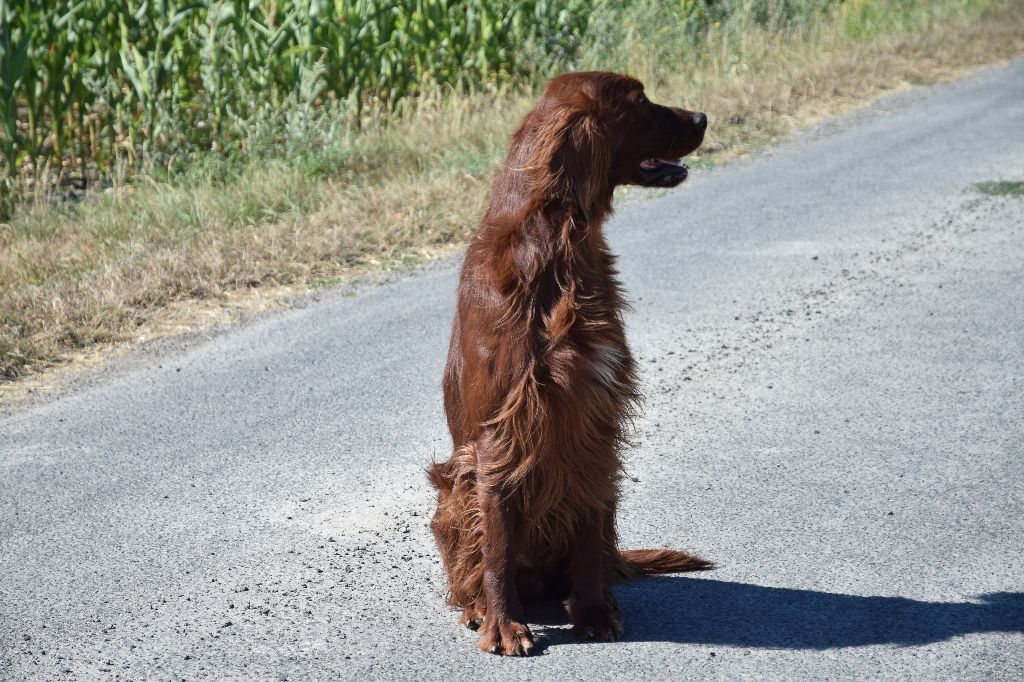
<point x="832" y="345"/>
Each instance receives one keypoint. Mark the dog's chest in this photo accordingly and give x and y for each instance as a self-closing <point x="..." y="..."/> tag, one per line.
<point x="607" y="365"/>
<point x="586" y="344"/>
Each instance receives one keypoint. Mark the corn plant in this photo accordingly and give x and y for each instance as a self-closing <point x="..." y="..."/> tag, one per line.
<point x="90" y="86"/>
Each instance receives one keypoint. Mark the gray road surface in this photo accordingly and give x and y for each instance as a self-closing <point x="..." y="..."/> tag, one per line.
<point x="832" y="345"/>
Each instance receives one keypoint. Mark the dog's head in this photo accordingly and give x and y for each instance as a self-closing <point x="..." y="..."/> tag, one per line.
<point x="595" y="130"/>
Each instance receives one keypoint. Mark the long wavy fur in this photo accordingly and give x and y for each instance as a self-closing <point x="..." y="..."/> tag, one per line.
<point x="539" y="376"/>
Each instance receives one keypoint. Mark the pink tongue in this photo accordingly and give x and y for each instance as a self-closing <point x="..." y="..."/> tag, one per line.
<point x="654" y="163"/>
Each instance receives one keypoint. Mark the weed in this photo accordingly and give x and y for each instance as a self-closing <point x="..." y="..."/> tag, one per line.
<point x="1001" y="188"/>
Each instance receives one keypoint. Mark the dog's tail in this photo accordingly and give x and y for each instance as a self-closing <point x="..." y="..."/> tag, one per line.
<point x="654" y="561"/>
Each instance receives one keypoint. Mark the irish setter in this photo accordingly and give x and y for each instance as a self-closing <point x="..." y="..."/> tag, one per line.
<point x="540" y="383"/>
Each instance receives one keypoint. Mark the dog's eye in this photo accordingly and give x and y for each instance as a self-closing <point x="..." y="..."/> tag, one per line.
<point x="640" y="99"/>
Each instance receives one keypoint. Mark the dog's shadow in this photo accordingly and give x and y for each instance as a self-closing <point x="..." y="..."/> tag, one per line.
<point x="703" y="611"/>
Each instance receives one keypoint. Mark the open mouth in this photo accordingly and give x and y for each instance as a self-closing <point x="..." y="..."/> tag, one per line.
<point x="660" y="170"/>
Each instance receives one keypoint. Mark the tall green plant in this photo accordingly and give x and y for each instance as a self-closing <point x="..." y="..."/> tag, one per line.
<point x="89" y="86"/>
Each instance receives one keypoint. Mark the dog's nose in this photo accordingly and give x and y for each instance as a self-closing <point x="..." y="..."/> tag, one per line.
<point x="700" y="120"/>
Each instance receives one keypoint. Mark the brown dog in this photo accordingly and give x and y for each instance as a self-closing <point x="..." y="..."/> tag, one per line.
<point x="540" y="382"/>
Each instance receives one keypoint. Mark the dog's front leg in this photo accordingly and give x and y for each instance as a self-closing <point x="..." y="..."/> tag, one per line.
<point x="502" y="633"/>
<point x="591" y="606"/>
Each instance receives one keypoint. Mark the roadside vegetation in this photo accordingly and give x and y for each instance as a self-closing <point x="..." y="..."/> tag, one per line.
<point x="158" y="157"/>
<point x="1001" y="188"/>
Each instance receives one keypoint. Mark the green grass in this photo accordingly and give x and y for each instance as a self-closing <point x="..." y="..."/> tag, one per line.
<point x="1001" y="188"/>
<point x="91" y="90"/>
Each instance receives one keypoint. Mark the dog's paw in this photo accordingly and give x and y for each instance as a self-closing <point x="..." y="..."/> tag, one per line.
<point x="598" y="621"/>
<point x="506" y="638"/>
<point x="601" y="627"/>
<point x="471" y="618"/>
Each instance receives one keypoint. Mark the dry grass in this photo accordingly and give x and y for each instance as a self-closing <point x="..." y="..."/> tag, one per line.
<point x="128" y="262"/>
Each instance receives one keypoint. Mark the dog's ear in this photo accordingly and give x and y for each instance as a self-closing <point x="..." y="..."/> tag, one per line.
<point x="570" y="157"/>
